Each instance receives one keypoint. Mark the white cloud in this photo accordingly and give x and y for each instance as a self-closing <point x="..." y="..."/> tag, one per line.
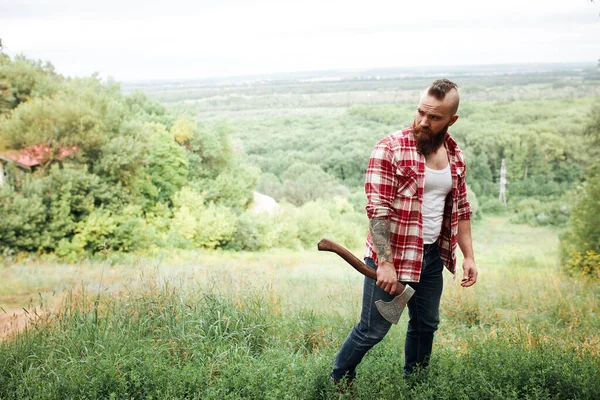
<point x="185" y="39"/>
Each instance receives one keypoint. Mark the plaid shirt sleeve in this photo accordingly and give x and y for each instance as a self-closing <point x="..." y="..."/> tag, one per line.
<point x="380" y="182"/>
<point x="464" y="208"/>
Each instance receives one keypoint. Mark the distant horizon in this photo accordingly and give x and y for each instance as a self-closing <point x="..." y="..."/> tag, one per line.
<point x="429" y="68"/>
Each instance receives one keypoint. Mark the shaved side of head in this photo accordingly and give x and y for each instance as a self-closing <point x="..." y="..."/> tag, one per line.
<point x="445" y="89"/>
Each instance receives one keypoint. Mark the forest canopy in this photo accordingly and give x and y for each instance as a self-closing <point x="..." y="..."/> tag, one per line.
<point x="141" y="177"/>
<point x="144" y="175"/>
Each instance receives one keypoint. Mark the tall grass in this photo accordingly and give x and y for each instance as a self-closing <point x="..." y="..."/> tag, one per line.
<point x="268" y="326"/>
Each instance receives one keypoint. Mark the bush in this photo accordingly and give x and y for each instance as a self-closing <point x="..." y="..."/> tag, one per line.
<point x="166" y="166"/>
<point x="44" y="210"/>
<point x="303" y="183"/>
<point x="582" y="263"/>
<point x="132" y="231"/>
<point x="335" y="220"/>
<point x="270" y="184"/>
<point x="358" y="200"/>
<point x="103" y="231"/>
<point x="580" y="244"/>
<point x="195" y="224"/>
<point x="93" y="234"/>
<point x="543" y="211"/>
<point x="492" y="206"/>
<point x="475" y="208"/>
<point x="260" y="232"/>
<point x="232" y="188"/>
<point x="249" y="230"/>
<point x="22" y="218"/>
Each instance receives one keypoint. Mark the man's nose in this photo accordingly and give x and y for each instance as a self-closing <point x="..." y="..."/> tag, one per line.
<point x="424" y="121"/>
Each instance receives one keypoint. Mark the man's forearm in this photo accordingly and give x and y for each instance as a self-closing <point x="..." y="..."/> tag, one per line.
<point x="464" y="238"/>
<point x="387" y="279"/>
<point x="466" y="246"/>
<point x="380" y="233"/>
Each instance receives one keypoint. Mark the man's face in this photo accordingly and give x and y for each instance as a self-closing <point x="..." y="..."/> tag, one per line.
<point x="432" y="120"/>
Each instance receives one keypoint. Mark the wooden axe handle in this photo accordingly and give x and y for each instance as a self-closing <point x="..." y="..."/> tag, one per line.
<point x="328" y="245"/>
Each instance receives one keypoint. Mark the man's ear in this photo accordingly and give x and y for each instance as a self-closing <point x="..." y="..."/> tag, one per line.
<point x="453" y="120"/>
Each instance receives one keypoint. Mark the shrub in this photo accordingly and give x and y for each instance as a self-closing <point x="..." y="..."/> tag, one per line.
<point x="303" y="183"/>
<point x="580" y="244"/>
<point x="249" y="230"/>
<point x="233" y="187"/>
<point x="582" y="263"/>
<point x="195" y="224"/>
<point x="475" y="209"/>
<point x="336" y="220"/>
<point x="158" y="221"/>
<point x="22" y="218"/>
<point x="166" y="166"/>
<point x="270" y="184"/>
<point x="104" y="231"/>
<point x="44" y="210"/>
<point x="259" y="232"/>
<point x="93" y="234"/>
<point x="492" y="206"/>
<point x="132" y="231"/>
<point x="544" y="211"/>
<point x="358" y="200"/>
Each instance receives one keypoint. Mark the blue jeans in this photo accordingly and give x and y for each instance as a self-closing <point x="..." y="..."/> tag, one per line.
<point x="423" y="312"/>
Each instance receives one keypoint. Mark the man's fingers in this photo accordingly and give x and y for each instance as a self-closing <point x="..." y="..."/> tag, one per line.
<point x="469" y="278"/>
<point x="393" y="288"/>
<point x="389" y="287"/>
<point x="387" y="278"/>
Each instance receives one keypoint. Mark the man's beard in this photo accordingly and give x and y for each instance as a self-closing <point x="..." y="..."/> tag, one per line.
<point x="427" y="141"/>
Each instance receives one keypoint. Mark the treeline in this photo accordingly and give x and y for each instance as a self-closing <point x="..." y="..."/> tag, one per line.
<point x="140" y="178"/>
<point x="335" y="88"/>
<point x="145" y="177"/>
<point x="543" y="143"/>
<point x="244" y="99"/>
<point x="549" y="146"/>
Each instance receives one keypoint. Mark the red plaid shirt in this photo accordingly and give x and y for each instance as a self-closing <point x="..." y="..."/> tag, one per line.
<point x="395" y="182"/>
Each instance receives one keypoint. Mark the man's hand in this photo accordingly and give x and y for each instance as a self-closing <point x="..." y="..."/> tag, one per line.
<point x="469" y="273"/>
<point x="387" y="279"/>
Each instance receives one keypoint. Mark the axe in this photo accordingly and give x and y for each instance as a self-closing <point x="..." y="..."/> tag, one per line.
<point x="390" y="310"/>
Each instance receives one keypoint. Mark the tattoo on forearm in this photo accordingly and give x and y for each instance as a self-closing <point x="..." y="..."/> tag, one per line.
<point x="380" y="233"/>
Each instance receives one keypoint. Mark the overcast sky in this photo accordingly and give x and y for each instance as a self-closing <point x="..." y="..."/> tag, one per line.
<point x="186" y="39"/>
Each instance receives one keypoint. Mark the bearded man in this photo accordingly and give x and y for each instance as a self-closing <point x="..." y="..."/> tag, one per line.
<point x="418" y="213"/>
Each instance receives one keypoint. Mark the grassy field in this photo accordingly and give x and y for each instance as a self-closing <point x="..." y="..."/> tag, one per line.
<point x="268" y="325"/>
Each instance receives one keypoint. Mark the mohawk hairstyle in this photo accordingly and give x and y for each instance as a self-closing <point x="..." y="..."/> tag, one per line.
<point x="440" y="88"/>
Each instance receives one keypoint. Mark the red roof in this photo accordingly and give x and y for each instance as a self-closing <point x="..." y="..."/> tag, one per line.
<point x="35" y="155"/>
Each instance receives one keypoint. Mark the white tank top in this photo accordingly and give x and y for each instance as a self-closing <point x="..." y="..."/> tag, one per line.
<point x="438" y="184"/>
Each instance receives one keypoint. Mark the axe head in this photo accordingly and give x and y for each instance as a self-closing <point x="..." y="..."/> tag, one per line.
<point x="392" y="310"/>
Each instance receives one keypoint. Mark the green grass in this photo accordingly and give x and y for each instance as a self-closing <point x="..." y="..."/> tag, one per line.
<point x="268" y="326"/>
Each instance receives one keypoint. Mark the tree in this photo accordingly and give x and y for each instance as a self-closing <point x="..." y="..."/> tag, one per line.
<point x="166" y="168"/>
<point x="592" y="130"/>
<point x="209" y="148"/>
<point x="79" y="115"/>
<point x="183" y="129"/>
<point x="580" y="245"/>
<point x="305" y="182"/>
<point x="22" y="79"/>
